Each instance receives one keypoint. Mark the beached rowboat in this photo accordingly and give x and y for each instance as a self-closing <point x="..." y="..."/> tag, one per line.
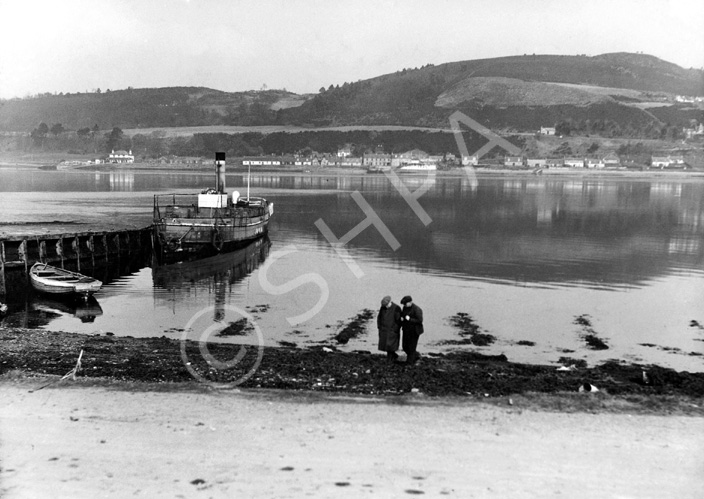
<point x="53" y="280"/>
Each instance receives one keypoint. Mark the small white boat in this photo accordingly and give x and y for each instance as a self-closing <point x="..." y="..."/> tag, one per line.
<point x="53" y="280"/>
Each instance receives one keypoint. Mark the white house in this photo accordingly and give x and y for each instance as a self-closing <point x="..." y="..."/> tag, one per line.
<point x="547" y="130"/>
<point x="574" y="162"/>
<point x="470" y="160"/>
<point x="595" y="163"/>
<point x="377" y="159"/>
<point x="513" y="161"/>
<point x="120" y="156"/>
<point x="611" y="159"/>
<point x="660" y="161"/>
<point x="537" y="163"/>
<point x="344" y="152"/>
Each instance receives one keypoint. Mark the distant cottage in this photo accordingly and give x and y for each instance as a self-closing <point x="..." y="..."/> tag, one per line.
<point x="513" y="161"/>
<point x="121" y="156"/>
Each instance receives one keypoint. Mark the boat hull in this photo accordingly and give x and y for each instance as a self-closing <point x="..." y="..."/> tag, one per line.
<point x="183" y="231"/>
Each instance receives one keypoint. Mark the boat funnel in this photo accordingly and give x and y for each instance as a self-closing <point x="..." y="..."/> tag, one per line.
<point x="220" y="172"/>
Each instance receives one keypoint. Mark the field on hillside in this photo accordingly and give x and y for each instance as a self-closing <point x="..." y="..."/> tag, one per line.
<point x="190" y="130"/>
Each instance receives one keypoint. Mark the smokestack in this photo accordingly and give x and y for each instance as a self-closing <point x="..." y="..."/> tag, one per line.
<point x="220" y="172"/>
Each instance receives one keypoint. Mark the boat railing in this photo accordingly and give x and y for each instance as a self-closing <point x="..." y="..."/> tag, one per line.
<point x="186" y="206"/>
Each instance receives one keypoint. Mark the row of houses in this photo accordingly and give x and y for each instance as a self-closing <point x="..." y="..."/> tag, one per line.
<point x="611" y="160"/>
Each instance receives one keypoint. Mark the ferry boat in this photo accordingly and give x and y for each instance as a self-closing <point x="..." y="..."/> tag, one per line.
<point x="207" y="223"/>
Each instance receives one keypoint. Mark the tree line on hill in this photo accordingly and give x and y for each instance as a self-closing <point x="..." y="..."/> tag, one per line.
<point x="156" y="144"/>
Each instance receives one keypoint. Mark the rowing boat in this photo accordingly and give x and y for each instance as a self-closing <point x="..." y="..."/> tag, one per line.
<point x="53" y="280"/>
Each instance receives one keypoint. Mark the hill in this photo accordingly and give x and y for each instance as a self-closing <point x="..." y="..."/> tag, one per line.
<point x="618" y="94"/>
<point x="519" y="92"/>
<point x="147" y="107"/>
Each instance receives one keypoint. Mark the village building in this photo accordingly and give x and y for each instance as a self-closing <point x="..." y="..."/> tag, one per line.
<point x="667" y="161"/>
<point x="450" y="158"/>
<point x="611" y="160"/>
<point x="120" y="156"/>
<point x="413" y="154"/>
<point x="349" y="162"/>
<point x="513" y="161"/>
<point x="555" y="163"/>
<point x="574" y="162"/>
<point x="547" y="130"/>
<point x="345" y="151"/>
<point x="594" y="163"/>
<point x="376" y="159"/>
<point x="470" y="160"/>
<point x="537" y="162"/>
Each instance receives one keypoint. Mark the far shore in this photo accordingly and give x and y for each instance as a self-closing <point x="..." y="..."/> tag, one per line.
<point x="452" y="172"/>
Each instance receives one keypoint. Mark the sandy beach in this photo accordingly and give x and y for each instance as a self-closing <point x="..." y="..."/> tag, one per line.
<point x="126" y="440"/>
<point x="135" y="423"/>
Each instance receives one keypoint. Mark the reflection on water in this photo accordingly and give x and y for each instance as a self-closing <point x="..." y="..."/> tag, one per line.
<point x="557" y="232"/>
<point x="41" y="310"/>
<point x="522" y="255"/>
<point x="216" y="275"/>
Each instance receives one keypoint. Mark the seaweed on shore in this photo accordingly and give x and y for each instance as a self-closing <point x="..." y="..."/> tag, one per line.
<point x="323" y="368"/>
<point x="356" y="326"/>
<point x="589" y="335"/>
<point x="241" y="327"/>
<point x="471" y="333"/>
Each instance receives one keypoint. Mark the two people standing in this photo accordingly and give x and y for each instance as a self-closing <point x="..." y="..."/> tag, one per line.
<point x="392" y="320"/>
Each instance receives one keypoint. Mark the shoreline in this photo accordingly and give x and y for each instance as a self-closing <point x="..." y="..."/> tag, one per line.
<point x="156" y="364"/>
<point x="454" y="172"/>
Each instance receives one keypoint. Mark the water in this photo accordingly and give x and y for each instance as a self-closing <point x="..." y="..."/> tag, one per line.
<point x="523" y="256"/>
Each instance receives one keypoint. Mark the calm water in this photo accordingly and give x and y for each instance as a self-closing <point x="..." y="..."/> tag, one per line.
<point x="523" y="256"/>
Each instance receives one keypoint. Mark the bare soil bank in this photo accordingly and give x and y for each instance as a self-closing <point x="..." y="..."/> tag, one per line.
<point x="163" y="363"/>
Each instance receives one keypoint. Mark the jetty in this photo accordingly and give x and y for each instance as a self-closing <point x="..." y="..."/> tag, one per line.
<point x="78" y="250"/>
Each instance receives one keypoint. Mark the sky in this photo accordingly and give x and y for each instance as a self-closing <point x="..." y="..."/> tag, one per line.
<point x="301" y="45"/>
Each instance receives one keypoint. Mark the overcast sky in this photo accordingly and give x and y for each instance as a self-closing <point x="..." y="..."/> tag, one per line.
<point x="301" y="45"/>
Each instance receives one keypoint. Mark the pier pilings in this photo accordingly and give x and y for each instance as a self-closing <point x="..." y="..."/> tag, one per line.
<point x="81" y="250"/>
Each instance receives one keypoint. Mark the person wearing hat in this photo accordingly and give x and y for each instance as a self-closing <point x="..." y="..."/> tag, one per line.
<point x="389" y="324"/>
<point x="412" y="326"/>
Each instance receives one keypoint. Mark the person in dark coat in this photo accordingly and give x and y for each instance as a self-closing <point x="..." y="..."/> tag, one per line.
<point x="389" y="324"/>
<point x="412" y="326"/>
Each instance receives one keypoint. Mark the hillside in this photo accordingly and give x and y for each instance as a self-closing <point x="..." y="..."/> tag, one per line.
<point x="619" y="94"/>
<point x="520" y="92"/>
<point x="148" y="107"/>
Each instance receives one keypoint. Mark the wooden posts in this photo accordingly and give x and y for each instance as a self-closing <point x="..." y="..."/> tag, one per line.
<point x="60" y="250"/>
<point x="91" y="247"/>
<point x="42" y="250"/>
<point x="22" y="251"/>
<point x="76" y="245"/>
<point x="3" y="290"/>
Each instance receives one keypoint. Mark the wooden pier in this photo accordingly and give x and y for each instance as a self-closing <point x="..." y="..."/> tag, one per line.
<point x="80" y="250"/>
